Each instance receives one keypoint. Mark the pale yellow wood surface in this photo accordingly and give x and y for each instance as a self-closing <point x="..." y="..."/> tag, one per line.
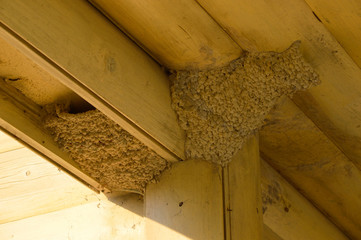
<point x="309" y="160"/>
<point x="288" y="214"/>
<point x="7" y="143"/>
<point x="120" y="218"/>
<point x="186" y="203"/>
<point x="179" y="34"/>
<point x="242" y="193"/>
<point x="335" y="105"/>
<point x="343" y="20"/>
<point x="76" y="44"/>
<point x="30" y="185"/>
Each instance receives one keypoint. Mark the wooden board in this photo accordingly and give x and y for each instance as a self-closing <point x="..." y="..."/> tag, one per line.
<point x="186" y="203"/>
<point x="104" y="67"/>
<point x="30" y="186"/>
<point x="179" y="34"/>
<point x="343" y="20"/>
<point x="242" y="193"/>
<point x="288" y="214"/>
<point x="8" y="144"/>
<point x="273" y="25"/>
<point x="120" y="218"/>
<point x="310" y="161"/>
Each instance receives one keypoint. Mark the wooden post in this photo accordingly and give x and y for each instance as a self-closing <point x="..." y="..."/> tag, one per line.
<point x="186" y="203"/>
<point x="243" y="195"/>
<point x="200" y="200"/>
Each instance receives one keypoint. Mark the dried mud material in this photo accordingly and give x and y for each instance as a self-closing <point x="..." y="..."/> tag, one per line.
<point x="220" y="108"/>
<point x="104" y="150"/>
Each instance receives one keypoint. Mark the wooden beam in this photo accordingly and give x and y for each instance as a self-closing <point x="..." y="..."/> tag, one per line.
<point x="118" y="218"/>
<point x="90" y="56"/>
<point x="242" y="194"/>
<point x="21" y="118"/>
<point x="179" y="34"/>
<point x="310" y="161"/>
<point x="30" y="186"/>
<point x="343" y="20"/>
<point x="334" y="105"/>
<point x="186" y="203"/>
<point x="288" y="214"/>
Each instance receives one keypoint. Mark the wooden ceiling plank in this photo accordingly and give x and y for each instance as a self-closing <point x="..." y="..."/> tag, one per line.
<point x="80" y="47"/>
<point x="161" y="27"/>
<point x="343" y="20"/>
<point x="8" y="144"/>
<point x="118" y="218"/>
<point x="314" y="165"/>
<point x="290" y="215"/>
<point x="30" y="186"/>
<point x="335" y="104"/>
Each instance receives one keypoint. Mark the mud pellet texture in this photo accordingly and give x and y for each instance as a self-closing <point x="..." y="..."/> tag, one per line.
<point x="220" y="108"/>
<point x="105" y="151"/>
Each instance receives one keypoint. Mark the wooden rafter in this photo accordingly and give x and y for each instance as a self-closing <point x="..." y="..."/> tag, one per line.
<point x="342" y="19"/>
<point x="315" y="165"/>
<point x="289" y="214"/>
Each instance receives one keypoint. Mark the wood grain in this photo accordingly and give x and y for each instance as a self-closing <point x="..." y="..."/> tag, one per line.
<point x="343" y="20"/>
<point x="179" y="34"/>
<point x="120" y="218"/>
<point x="186" y="203"/>
<point x="310" y="161"/>
<point x="8" y="144"/>
<point x="288" y="214"/>
<point x="30" y="186"/>
<point x="242" y="193"/>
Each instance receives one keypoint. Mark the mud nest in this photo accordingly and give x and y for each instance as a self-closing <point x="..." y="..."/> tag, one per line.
<point x="220" y="108"/>
<point x="104" y="150"/>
